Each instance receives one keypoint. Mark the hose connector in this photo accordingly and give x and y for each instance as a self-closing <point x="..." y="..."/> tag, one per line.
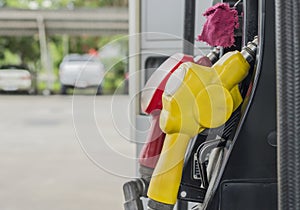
<point x="249" y="51"/>
<point x="133" y="190"/>
<point x="155" y="205"/>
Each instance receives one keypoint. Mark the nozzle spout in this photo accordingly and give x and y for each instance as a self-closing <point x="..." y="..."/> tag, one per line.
<point x="249" y="51"/>
<point x="213" y="56"/>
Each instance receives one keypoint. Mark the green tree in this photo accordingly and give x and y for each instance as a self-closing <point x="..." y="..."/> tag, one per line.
<point x="56" y="4"/>
<point x="82" y="44"/>
<point x="27" y="48"/>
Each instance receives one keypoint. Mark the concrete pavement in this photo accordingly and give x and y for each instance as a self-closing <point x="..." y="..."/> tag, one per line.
<point x="62" y="153"/>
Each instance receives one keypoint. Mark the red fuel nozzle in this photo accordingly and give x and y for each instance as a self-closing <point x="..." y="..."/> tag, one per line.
<point x="151" y="103"/>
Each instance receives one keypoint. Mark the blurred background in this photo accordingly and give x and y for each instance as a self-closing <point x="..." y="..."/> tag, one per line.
<point x="37" y="35"/>
<point x="59" y="150"/>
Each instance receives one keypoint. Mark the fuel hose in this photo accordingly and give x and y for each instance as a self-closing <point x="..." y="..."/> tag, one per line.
<point x="288" y="102"/>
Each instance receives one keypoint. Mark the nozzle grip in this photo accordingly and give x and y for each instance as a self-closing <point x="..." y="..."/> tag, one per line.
<point x="166" y="177"/>
<point x="151" y="149"/>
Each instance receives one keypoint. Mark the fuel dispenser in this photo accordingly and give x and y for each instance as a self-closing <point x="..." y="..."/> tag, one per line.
<point x="151" y="103"/>
<point x="202" y="98"/>
<point x="220" y="148"/>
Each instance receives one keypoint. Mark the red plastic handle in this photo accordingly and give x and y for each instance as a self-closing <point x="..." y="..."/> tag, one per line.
<point x="155" y="139"/>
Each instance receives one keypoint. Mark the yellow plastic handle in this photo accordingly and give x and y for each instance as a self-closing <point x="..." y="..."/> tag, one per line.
<point x="214" y="105"/>
<point x="206" y="98"/>
<point x="168" y="171"/>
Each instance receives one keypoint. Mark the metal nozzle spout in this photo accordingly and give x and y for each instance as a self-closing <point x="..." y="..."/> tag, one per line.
<point x="249" y="51"/>
<point x="213" y="56"/>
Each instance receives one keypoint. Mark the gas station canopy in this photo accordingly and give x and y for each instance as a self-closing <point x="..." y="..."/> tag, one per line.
<point x="93" y="22"/>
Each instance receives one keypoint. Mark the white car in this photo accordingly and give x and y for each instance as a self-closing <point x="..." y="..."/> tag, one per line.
<point x="81" y="71"/>
<point x="15" y="78"/>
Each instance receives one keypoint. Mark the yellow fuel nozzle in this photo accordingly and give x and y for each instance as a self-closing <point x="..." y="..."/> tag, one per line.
<point x="195" y="98"/>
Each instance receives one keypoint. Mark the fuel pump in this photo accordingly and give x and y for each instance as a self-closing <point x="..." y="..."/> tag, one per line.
<point x="195" y="98"/>
<point x="238" y="135"/>
<point x="151" y="104"/>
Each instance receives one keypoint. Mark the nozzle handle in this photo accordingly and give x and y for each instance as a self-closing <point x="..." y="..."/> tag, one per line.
<point x="166" y="177"/>
<point x="151" y="149"/>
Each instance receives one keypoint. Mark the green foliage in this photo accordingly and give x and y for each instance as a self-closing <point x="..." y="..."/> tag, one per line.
<point x="56" y="50"/>
<point x="9" y="58"/>
<point x="57" y="4"/>
<point x="82" y="44"/>
<point x="115" y="76"/>
<point x="19" y="50"/>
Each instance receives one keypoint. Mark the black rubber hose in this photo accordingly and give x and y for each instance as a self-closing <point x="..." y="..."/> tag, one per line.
<point x="288" y="102"/>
